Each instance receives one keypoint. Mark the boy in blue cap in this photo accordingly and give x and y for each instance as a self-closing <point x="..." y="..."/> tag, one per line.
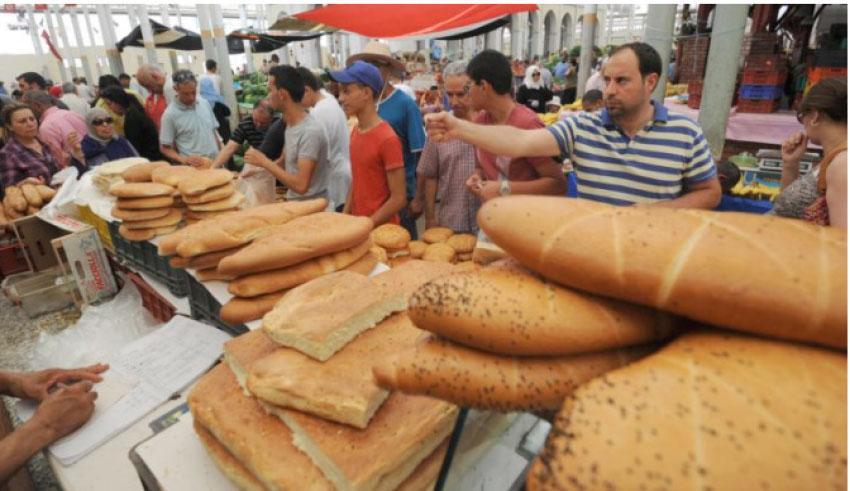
<point x="377" y="164"/>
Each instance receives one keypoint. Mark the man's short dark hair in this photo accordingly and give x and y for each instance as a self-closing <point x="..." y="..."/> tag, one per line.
<point x="649" y="61"/>
<point x="493" y="67"/>
<point x="33" y="78"/>
<point x="211" y="65"/>
<point x="287" y="77"/>
<point x="123" y="76"/>
<point x="310" y="80"/>
<point x="108" y="81"/>
<point x="729" y="174"/>
<point x="592" y="96"/>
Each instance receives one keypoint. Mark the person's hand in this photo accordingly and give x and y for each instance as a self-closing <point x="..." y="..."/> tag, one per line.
<point x="415" y="208"/>
<point x="488" y="190"/>
<point x="794" y="148"/>
<point x="65" y="410"/>
<point x="196" y="161"/>
<point x="473" y="183"/>
<point x="74" y="145"/>
<point x="441" y="126"/>
<point x="258" y="158"/>
<point x="35" y="385"/>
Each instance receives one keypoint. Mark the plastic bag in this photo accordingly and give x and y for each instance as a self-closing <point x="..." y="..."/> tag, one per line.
<point x="258" y="188"/>
<point x="103" y="329"/>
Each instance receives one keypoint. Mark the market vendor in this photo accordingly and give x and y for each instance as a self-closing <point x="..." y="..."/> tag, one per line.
<point x="251" y="130"/>
<point x="24" y="155"/>
<point x="65" y="402"/>
<point x="632" y="152"/>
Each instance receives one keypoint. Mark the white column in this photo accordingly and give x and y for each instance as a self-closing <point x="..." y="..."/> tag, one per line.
<point x="35" y="36"/>
<point x="660" y="20"/>
<point x="48" y="18"/>
<point x="166" y="21"/>
<point x="205" y="27"/>
<point x="224" y="63"/>
<point x="147" y="33"/>
<point x="249" y="56"/>
<point x="78" y="38"/>
<point x="109" y="41"/>
<point x="720" y="73"/>
<point x="630" y="32"/>
<point x="179" y="16"/>
<point x="92" y="42"/>
<point x="588" y="34"/>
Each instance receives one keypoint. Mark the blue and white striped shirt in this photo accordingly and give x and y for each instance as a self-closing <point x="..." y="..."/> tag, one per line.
<point x="659" y="163"/>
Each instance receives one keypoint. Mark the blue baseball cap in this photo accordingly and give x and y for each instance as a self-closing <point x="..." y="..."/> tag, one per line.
<point x="360" y="72"/>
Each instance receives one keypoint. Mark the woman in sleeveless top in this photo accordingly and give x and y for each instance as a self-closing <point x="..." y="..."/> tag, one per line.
<point x="820" y="196"/>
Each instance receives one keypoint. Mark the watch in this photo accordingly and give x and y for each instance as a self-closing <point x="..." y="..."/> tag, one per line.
<point x="504" y="187"/>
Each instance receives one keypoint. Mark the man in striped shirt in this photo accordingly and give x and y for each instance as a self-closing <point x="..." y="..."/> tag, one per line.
<point x="632" y="152"/>
<point x="251" y="130"/>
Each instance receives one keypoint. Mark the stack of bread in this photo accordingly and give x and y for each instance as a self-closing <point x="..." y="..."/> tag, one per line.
<point x="753" y="395"/>
<point x="292" y="254"/>
<point x="23" y="199"/>
<point x="441" y="244"/>
<point x="110" y="173"/>
<point x="209" y="193"/>
<point x="294" y="405"/>
<point x="145" y="210"/>
<point x="390" y="244"/>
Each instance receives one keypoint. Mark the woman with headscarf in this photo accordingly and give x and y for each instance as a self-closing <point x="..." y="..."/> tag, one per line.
<point x="102" y="144"/>
<point x="532" y="93"/>
<point x="139" y="129"/>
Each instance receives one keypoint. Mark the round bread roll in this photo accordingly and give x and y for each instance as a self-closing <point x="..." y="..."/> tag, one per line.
<point x="140" y="189"/>
<point x="172" y="218"/>
<point x="136" y="235"/>
<point x="136" y="215"/>
<point x="145" y="203"/>
<point x="142" y="172"/>
<point x="172" y="175"/>
<point x="466" y="256"/>
<point x="395" y="262"/>
<point x="391" y="236"/>
<point x="214" y="194"/>
<point x="437" y="234"/>
<point x="228" y="203"/>
<point x="417" y="248"/>
<point x="439" y="252"/>
<point x="203" y="181"/>
<point x="380" y="253"/>
<point x="462" y="243"/>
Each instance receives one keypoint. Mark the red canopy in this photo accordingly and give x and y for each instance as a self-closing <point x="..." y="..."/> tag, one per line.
<point x="410" y="20"/>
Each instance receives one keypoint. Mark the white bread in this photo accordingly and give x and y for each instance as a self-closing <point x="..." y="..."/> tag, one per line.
<point x="172" y="175"/>
<point x="505" y="309"/>
<point x="278" y="279"/>
<point x="203" y="215"/>
<point x="204" y="180"/>
<point x="340" y="389"/>
<point x="439" y="252"/>
<point x="32" y="195"/>
<point x="149" y="214"/>
<point x="139" y="235"/>
<point x="761" y="274"/>
<point x="47" y="193"/>
<point x="140" y="189"/>
<point x="145" y="203"/>
<point x="210" y="195"/>
<point x="172" y="218"/>
<point x="437" y="234"/>
<point x="462" y="243"/>
<point x="230" y="202"/>
<point x="211" y="274"/>
<point x="256" y="439"/>
<point x="142" y="172"/>
<point x="467" y="377"/>
<point x="712" y="410"/>
<point x="417" y="248"/>
<point x="204" y="261"/>
<point x="487" y="252"/>
<point x="226" y="462"/>
<point x="298" y="240"/>
<point x="235" y="229"/>
<point x="14" y="198"/>
<point x="241" y="310"/>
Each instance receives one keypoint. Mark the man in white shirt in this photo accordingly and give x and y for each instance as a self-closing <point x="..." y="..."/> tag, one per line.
<point x="72" y="100"/>
<point x="327" y="111"/>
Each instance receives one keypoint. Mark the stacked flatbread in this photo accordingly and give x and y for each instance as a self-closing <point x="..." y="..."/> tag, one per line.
<point x="145" y="209"/>
<point x="209" y="193"/>
<point x="107" y="174"/>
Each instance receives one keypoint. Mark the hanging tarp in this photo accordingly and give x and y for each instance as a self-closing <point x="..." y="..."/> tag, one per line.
<point x="410" y="21"/>
<point x="263" y="42"/>
<point x="294" y="24"/>
<point x="163" y="37"/>
<point x="477" y="31"/>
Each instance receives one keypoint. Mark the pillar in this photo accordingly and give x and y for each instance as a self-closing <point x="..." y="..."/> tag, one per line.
<point x="588" y="34"/>
<point x="660" y="20"/>
<point x="116" y="66"/>
<point x="224" y="63"/>
<point x="147" y="33"/>
<point x="78" y="38"/>
<point x="34" y="35"/>
<point x="205" y="27"/>
<point x="249" y="56"/>
<point x="48" y="18"/>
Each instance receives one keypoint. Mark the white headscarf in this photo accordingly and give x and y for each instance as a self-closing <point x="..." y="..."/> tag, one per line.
<point x="529" y="77"/>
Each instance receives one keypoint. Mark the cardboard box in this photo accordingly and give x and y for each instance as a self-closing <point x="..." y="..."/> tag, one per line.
<point x="82" y="255"/>
<point x="35" y="236"/>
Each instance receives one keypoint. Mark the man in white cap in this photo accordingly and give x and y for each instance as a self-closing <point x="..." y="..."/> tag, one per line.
<point x="402" y="113"/>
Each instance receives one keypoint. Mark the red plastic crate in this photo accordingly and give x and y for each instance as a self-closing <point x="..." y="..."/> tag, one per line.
<point x="695" y="87"/>
<point x="12" y="259"/>
<point x="753" y="106"/>
<point x="816" y="74"/>
<point x="764" y="62"/>
<point x="160" y="308"/>
<point x="764" y="77"/>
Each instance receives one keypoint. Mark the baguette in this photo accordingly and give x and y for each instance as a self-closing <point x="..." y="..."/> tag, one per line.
<point x="212" y="274"/>
<point x="297" y="241"/>
<point x="204" y="261"/>
<point x="241" y="310"/>
<point x="285" y="278"/>
<point x="470" y="378"/>
<point x="236" y="229"/>
<point x="505" y="309"/>
<point x="765" y="275"/>
<point x="47" y="193"/>
<point x="712" y="410"/>
<point x="204" y="180"/>
<point x="16" y="199"/>
<point x="32" y="195"/>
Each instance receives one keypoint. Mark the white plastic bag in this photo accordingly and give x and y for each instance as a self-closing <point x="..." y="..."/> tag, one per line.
<point x="258" y="188"/>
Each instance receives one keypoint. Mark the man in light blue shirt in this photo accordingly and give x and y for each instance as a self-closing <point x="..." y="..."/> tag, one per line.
<point x="187" y="133"/>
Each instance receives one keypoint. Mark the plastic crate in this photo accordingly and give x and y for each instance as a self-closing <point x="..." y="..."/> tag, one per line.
<point x="143" y="255"/>
<point x="160" y="308"/>
<point x="12" y="259"/>
<point x="764" y="62"/>
<point x="760" y="106"/>
<point x="695" y="87"/>
<point x="694" y="100"/>
<point x="99" y="224"/>
<point x="764" y="77"/>
<point x="817" y="74"/>
<point x="761" y="92"/>
<point x="205" y="308"/>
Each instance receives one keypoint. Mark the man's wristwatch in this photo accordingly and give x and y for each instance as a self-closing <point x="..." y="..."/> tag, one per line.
<point x="504" y="187"/>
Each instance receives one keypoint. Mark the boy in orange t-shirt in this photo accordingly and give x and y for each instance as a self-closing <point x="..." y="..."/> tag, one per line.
<point x="377" y="165"/>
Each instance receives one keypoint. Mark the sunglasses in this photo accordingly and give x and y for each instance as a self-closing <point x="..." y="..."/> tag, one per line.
<point x="98" y="122"/>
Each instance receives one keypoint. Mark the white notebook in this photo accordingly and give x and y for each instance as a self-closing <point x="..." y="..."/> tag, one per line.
<point x="141" y="377"/>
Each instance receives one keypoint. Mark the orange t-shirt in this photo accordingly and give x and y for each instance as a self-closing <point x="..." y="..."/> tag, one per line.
<point x="373" y="153"/>
<point x="155" y="106"/>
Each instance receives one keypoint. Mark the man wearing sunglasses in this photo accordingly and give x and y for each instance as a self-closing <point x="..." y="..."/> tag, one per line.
<point x="187" y="134"/>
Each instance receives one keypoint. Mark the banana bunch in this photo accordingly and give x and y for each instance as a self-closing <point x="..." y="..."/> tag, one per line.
<point x="755" y="190"/>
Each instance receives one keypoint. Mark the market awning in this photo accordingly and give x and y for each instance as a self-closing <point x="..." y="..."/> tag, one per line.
<point x="263" y="42"/>
<point x="410" y="21"/>
<point x="163" y="37"/>
<point x="477" y="31"/>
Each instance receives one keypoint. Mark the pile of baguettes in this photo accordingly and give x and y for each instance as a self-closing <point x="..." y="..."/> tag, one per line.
<point x="749" y="393"/>
<point x="295" y="405"/>
<point x="154" y="198"/>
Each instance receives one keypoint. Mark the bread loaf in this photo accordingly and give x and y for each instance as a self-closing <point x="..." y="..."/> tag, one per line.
<point x="140" y="189"/>
<point x="507" y="310"/>
<point x="215" y="194"/>
<point x="471" y="378"/>
<point x="145" y="203"/>
<point x="235" y="229"/>
<point x="173" y="174"/>
<point x="211" y="274"/>
<point x="142" y="172"/>
<point x="226" y="462"/>
<point x="417" y="248"/>
<point x="204" y="180"/>
<point x="391" y="236"/>
<point x="299" y="240"/>
<point x="16" y="199"/>
<point x="3" y="220"/>
<point x="380" y="253"/>
<point x="32" y="195"/>
<point x="31" y="210"/>
<point x="279" y="279"/>
<point x="11" y="212"/>
<point x="437" y="234"/>
<point x="138" y="235"/>
<point x="712" y="410"/>
<point x="204" y="261"/>
<point x="136" y="215"/>
<point x="439" y="252"/>
<point x="203" y="215"/>
<point x="766" y="275"/>
<point x="228" y="203"/>
<point x="241" y="310"/>
<point x="47" y="193"/>
<point x="462" y="243"/>
<point x="172" y="218"/>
